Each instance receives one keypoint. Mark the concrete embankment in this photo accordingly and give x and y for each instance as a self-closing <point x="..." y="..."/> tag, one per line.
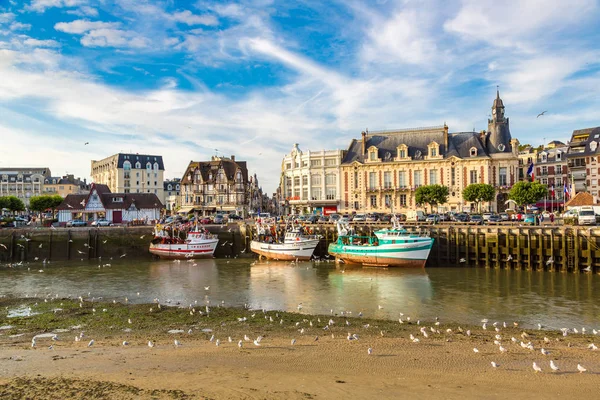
<point x="558" y="248"/>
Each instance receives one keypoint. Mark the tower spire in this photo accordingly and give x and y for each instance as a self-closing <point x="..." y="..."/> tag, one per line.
<point x="497" y="92"/>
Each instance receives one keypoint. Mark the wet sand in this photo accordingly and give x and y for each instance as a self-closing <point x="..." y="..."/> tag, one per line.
<point x="442" y="365"/>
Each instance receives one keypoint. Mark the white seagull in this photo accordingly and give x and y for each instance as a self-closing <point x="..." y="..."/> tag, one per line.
<point x="176" y="343"/>
<point x="370" y="351"/>
<point x="553" y="366"/>
<point x="536" y="368"/>
<point x="150" y="344"/>
<point x="581" y="368"/>
<point x="494" y="364"/>
<point x="91" y="343"/>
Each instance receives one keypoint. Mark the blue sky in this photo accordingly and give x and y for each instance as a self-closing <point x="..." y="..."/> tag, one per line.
<point x="190" y="79"/>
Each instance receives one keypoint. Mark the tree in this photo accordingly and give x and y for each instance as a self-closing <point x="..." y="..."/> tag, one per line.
<point x="524" y="193"/>
<point x="478" y="193"/>
<point x="45" y="202"/>
<point x="432" y="195"/>
<point x="12" y="203"/>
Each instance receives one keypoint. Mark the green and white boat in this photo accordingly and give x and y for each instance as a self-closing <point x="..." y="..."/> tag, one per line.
<point x="393" y="247"/>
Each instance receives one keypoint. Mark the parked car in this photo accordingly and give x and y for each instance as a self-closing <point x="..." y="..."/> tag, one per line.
<point x="386" y="218"/>
<point x="233" y="217"/>
<point x="219" y="219"/>
<point x="76" y="222"/>
<point x="101" y="222"/>
<point x="494" y="219"/>
<point x="359" y="218"/>
<point x="486" y="216"/>
<point x="433" y="219"/>
<point x="401" y="217"/>
<point x="324" y="219"/>
<point x="205" y="220"/>
<point x="313" y="219"/>
<point x="530" y="219"/>
<point x="476" y="219"/>
<point x="587" y="216"/>
<point x="444" y="217"/>
<point x="344" y="219"/>
<point x="334" y="217"/>
<point x="505" y="217"/>
<point x="371" y="218"/>
<point x="462" y="217"/>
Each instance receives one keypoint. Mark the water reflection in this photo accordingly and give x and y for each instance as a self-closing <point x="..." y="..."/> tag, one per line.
<point x="453" y="294"/>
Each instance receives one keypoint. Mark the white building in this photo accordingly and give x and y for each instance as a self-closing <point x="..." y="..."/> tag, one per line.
<point x="311" y="181"/>
<point x="23" y="182"/>
<point x="115" y="207"/>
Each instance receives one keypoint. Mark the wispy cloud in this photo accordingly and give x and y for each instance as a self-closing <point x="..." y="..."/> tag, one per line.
<point x="43" y="5"/>
<point x="83" y="25"/>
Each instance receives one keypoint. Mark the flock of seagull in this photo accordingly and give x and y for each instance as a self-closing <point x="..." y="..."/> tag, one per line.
<point x="305" y="326"/>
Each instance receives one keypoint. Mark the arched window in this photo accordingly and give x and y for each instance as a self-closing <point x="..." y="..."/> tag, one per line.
<point x="148" y="165"/>
<point x="126" y="166"/>
<point x="156" y="166"/>
<point x="473" y="152"/>
<point x="138" y="165"/>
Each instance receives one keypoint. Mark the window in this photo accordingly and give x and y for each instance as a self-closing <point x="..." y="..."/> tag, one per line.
<point x="372" y="180"/>
<point x="453" y="176"/>
<point x="137" y="183"/>
<point x="503" y="181"/>
<point x="315" y="180"/>
<point x="418" y="181"/>
<point x="156" y="166"/>
<point x="330" y="193"/>
<point x="117" y="199"/>
<point x="403" y="200"/>
<point x="288" y="166"/>
<point x="305" y="180"/>
<point x="387" y="180"/>
<point x="155" y="184"/>
<point x="148" y="165"/>
<point x="127" y="166"/>
<point x="558" y="155"/>
<point x="355" y="179"/>
<point x="402" y="153"/>
<point x="138" y="165"/>
<point x="296" y="181"/>
<point x="432" y="177"/>
<point x="330" y="162"/>
<point x="373" y="201"/>
<point x="316" y="193"/>
<point x="372" y="155"/>
<point x="473" y="176"/>
<point x="330" y="179"/>
<point x="388" y="200"/>
<point x="304" y="164"/>
<point x="473" y="152"/>
<point x="297" y="164"/>
<point x="402" y="179"/>
<point x="433" y="152"/>
<point x="544" y="170"/>
<point x="544" y="157"/>
<point x="356" y="205"/>
<point x="305" y="193"/>
<point x="544" y="181"/>
<point x="315" y="163"/>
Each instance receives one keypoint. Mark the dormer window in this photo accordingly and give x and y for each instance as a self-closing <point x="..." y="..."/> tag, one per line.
<point x="593" y="145"/>
<point x="148" y="165"/>
<point x="544" y="157"/>
<point x="433" y="152"/>
<point x="117" y="199"/>
<point x="473" y="152"/>
<point x="138" y="165"/>
<point x="558" y="155"/>
<point x="156" y="166"/>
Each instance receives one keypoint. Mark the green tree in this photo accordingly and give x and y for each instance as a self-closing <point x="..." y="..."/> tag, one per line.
<point x="45" y="202"/>
<point x="524" y="193"/>
<point x="432" y="195"/>
<point x="478" y="193"/>
<point x="12" y="203"/>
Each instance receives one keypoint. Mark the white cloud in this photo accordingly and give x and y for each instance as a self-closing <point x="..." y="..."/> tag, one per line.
<point x="6" y="17"/>
<point x="83" y="25"/>
<point x="188" y="18"/>
<point x="42" y="5"/>
<point x="113" y="38"/>
<point x="85" y="11"/>
<point x="17" y="26"/>
<point x="41" y="43"/>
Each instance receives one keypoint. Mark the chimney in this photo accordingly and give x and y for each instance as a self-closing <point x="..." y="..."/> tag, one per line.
<point x="232" y="158"/>
<point x="482" y="136"/>
<point x="364" y="142"/>
<point x="445" y="137"/>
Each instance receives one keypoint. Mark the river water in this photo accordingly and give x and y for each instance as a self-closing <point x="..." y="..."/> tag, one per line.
<point x="463" y="295"/>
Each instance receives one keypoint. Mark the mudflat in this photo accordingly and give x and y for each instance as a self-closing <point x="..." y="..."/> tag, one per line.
<point x="323" y="363"/>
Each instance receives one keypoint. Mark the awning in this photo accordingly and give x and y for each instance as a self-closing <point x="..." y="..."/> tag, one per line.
<point x="185" y="210"/>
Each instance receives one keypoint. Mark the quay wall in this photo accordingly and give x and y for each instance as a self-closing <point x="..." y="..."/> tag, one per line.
<point x="556" y="248"/>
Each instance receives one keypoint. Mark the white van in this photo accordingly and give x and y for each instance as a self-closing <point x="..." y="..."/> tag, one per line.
<point x="586" y="216"/>
<point x="416" y="216"/>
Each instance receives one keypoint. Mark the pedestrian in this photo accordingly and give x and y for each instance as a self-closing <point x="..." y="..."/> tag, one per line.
<point x="552" y="218"/>
<point x="541" y="218"/>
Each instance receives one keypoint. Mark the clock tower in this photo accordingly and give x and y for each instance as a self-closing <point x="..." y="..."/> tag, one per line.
<point x="498" y="129"/>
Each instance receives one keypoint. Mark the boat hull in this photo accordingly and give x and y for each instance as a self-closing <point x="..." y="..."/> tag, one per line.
<point x="384" y="255"/>
<point x="302" y="250"/>
<point x="184" y="251"/>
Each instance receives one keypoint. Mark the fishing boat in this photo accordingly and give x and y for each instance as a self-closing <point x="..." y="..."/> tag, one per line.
<point x="296" y="244"/>
<point x="198" y="243"/>
<point x="393" y="247"/>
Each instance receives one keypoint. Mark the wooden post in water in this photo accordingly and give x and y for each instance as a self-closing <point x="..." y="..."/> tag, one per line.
<point x="477" y="247"/>
<point x="448" y="258"/>
<point x="553" y="267"/>
<point x="50" y="245"/>
<point x="577" y="247"/>
<point x="89" y="240"/>
<point x="69" y="244"/>
<point x="437" y="245"/>
<point x="467" y="247"/>
<point x="529" y="262"/>
<point x="457" y="242"/>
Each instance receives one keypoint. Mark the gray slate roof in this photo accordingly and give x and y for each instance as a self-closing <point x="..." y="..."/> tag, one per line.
<point x="592" y="132"/>
<point x="142" y="158"/>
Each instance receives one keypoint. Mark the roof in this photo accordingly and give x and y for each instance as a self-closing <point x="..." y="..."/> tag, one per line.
<point x="417" y="141"/>
<point x="75" y="202"/>
<point x="581" y="199"/>
<point x="578" y="148"/>
<point x="142" y="158"/>
<point x="498" y="101"/>
<point x="209" y="169"/>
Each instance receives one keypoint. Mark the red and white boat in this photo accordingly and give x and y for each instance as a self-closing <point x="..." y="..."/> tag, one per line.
<point x="197" y="244"/>
<point x="296" y="244"/>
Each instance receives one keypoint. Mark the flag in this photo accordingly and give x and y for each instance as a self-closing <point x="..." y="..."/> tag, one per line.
<point x="552" y="190"/>
<point x="530" y="171"/>
<point x="566" y="192"/>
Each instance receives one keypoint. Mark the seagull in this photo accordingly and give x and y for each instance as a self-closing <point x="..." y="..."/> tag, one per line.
<point x="150" y="344"/>
<point x="509" y="258"/>
<point x="536" y="368"/>
<point x="91" y="343"/>
<point x="256" y="342"/>
<point x="502" y="349"/>
<point x="33" y="342"/>
<point x="176" y="343"/>
<point x="206" y="287"/>
<point x="86" y="143"/>
<point x="370" y="351"/>
<point x="462" y="260"/>
<point x="123" y="255"/>
<point x="553" y="366"/>
<point x="581" y="368"/>
<point x="293" y="342"/>
<point x="494" y="364"/>
<point x="3" y="245"/>
<point x="587" y="269"/>
<point x="544" y="351"/>
<point x="593" y="346"/>
<point x="475" y="350"/>
<point x="141" y="237"/>
<point x="542" y="113"/>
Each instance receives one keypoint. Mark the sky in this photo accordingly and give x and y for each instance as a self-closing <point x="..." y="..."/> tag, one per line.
<point x="191" y="79"/>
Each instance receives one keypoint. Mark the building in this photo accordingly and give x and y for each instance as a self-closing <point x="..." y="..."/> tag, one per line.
<point x="255" y="196"/>
<point x="171" y="189"/>
<point x="131" y="173"/>
<point x="65" y="185"/>
<point x="381" y="171"/>
<point x="23" y="182"/>
<point x="310" y="181"/>
<point x="551" y="170"/>
<point x="117" y="208"/>
<point x="582" y="160"/>
<point x="215" y="186"/>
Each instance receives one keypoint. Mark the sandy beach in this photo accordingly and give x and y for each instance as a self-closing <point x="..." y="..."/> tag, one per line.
<point x="441" y="365"/>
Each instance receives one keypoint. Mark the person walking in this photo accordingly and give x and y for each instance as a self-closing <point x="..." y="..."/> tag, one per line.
<point x="552" y="218"/>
